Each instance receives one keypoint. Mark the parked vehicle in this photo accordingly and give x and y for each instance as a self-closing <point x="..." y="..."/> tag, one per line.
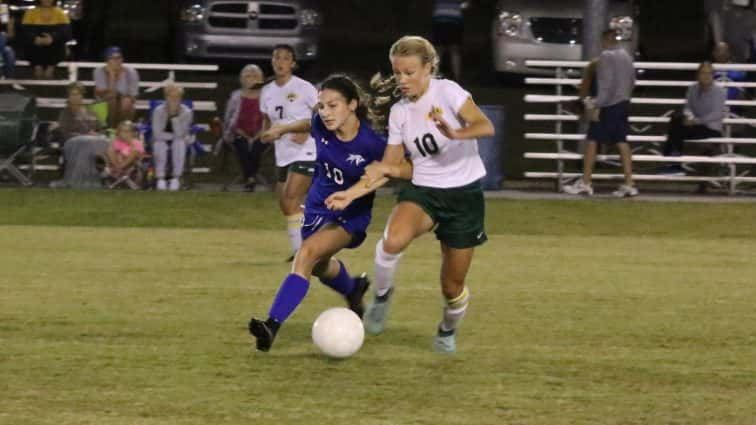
<point x="551" y="30"/>
<point x="734" y="22"/>
<point x="248" y="30"/>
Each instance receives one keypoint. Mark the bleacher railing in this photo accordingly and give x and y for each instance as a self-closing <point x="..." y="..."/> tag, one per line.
<point x="562" y="83"/>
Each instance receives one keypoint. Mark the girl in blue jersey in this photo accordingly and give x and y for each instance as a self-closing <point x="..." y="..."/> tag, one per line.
<point x="345" y="145"/>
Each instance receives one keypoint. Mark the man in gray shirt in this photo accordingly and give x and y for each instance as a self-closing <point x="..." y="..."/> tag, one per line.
<point x="615" y="80"/>
<point x="118" y="85"/>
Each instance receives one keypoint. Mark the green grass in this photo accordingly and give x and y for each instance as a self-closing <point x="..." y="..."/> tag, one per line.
<point x="131" y="308"/>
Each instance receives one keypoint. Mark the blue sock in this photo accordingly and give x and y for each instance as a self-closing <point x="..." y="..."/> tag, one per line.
<point x="291" y="292"/>
<point x="342" y="283"/>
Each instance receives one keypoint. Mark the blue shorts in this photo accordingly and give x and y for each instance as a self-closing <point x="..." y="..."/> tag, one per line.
<point x="612" y="126"/>
<point x="355" y="225"/>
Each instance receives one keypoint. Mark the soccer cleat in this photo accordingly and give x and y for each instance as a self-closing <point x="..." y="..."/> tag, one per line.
<point x="174" y="185"/>
<point x="625" y="191"/>
<point x="161" y="184"/>
<point x="293" y="255"/>
<point x="354" y="299"/>
<point x="578" y="188"/>
<point x="375" y="316"/>
<point x="263" y="334"/>
<point x="445" y="342"/>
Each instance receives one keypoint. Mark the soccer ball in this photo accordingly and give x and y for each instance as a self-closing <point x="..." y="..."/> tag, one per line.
<point x="338" y="332"/>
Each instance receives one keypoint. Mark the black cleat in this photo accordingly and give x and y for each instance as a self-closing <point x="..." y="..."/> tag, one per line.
<point x="290" y="259"/>
<point x="354" y="299"/>
<point x="262" y="333"/>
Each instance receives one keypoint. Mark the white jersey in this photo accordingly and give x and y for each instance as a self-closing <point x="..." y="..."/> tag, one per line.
<point x="437" y="161"/>
<point x="291" y="102"/>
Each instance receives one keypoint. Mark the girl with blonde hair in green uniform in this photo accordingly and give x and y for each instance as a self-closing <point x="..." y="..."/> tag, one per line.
<point x="436" y="123"/>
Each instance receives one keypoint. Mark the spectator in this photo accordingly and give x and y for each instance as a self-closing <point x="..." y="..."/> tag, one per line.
<point x="448" y="30"/>
<point x="125" y="150"/>
<point x="7" y="32"/>
<point x="171" y="124"/>
<point x="118" y="85"/>
<point x="615" y="80"/>
<point x="243" y="121"/>
<point x="77" y="133"/>
<point x="46" y="29"/>
<point x="702" y="117"/>
<point x="75" y="119"/>
<point x="721" y="55"/>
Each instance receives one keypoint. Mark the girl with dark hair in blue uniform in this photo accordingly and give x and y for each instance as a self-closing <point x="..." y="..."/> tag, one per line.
<point x="345" y="145"/>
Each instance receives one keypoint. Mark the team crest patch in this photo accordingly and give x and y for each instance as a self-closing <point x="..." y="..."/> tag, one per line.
<point x="435" y="110"/>
<point x="356" y="159"/>
<point x="291" y="96"/>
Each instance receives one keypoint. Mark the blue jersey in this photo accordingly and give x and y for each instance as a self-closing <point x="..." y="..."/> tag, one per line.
<point x="340" y="165"/>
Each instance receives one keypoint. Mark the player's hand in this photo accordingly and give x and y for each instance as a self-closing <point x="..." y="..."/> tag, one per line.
<point x="338" y="201"/>
<point x="272" y="134"/>
<point x="300" y="138"/>
<point x="441" y="124"/>
<point x="373" y="172"/>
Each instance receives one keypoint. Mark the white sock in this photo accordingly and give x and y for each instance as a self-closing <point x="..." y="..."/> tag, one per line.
<point x="385" y="267"/>
<point x="294" y="229"/>
<point x="454" y="311"/>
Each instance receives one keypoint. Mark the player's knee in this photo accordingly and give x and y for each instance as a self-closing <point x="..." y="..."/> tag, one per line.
<point x="394" y="244"/>
<point x="452" y="287"/>
<point x="320" y="268"/>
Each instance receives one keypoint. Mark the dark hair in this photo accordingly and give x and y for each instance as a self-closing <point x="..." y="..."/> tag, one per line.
<point x="287" y="48"/>
<point x="348" y="88"/>
<point x="609" y="34"/>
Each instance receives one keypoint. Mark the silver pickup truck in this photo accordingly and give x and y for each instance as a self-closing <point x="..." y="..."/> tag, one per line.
<point x="551" y="30"/>
<point x="248" y="30"/>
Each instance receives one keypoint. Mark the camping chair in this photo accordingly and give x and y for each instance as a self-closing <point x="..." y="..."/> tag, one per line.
<point x="18" y="127"/>
<point x="132" y="177"/>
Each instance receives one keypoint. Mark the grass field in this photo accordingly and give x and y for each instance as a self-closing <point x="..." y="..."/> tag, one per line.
<point x="131" y="308"/>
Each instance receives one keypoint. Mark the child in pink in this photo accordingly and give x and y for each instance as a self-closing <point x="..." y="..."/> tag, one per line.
<point x="125" y="150"/>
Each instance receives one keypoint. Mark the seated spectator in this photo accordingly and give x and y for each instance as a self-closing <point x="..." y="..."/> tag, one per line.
<point x="171" y="124"/>
<point x="721" y="55"/>
<point x="118" y="85"/>
<point x="242" y="124"/>
<point x="7" y="32"/>
<point x="124" y="151"/>
<point x="45" y="29"/>
<point x="701" y="119"/>
<point x="75" y="119"/>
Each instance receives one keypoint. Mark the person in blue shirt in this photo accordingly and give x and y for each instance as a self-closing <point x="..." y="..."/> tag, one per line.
<point x="345" y="145"/>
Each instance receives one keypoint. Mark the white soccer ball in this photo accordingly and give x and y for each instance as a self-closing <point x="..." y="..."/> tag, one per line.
<point x="338" y="332"/>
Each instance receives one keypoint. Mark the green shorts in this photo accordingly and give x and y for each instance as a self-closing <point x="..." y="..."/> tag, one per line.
<point x="458" y="212"/>
<point x="300" y="167"/>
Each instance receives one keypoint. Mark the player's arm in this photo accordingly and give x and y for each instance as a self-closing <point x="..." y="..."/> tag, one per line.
<point x="477" y="124"/>
<point x="377" y="174"/>
<point x="276" y="131"/>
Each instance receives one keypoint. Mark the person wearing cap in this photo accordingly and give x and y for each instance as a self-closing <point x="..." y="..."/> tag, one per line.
<point x="46" y="29"/>
<point x="118" y="85"/>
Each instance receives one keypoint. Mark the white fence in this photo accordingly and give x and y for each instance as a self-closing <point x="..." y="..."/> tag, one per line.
<point x="738" y="167"/>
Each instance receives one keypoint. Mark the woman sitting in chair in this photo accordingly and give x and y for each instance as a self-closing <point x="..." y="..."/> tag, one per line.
<point x="171" y="123"/>
<point x="125" y="152"/>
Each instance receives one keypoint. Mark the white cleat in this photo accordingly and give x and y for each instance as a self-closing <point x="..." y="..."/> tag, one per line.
<point x="578" y="188"/>
<point x="375" y="315"/>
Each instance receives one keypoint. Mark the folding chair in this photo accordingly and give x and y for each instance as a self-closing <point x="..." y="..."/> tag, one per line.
<point x="18" y="127"/>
